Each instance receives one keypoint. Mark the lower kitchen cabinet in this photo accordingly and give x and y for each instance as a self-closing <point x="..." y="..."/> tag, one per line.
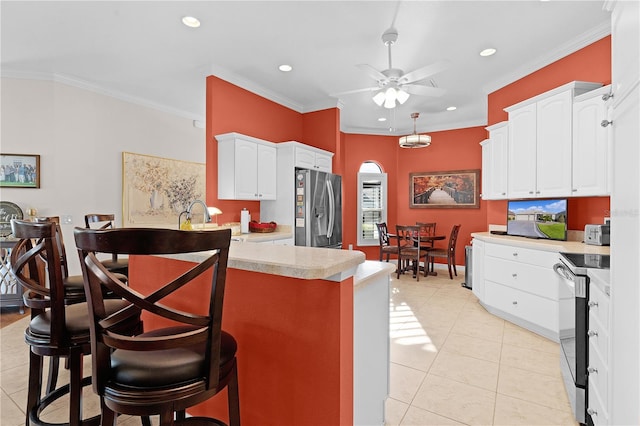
<point x="598" y="369"/>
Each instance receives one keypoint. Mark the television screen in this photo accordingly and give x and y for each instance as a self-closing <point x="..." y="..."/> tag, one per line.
<point x="542" y="218"/>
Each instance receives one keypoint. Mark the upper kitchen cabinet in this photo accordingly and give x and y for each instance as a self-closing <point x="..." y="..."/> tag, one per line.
<point x="307" y="157"/>
<point x="591" y="150"/>
<point x="494" y="162"/>
<point x="539" y="142"/>
<point x="246" y="168"/>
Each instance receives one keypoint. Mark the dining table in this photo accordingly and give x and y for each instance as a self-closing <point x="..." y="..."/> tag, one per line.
<point x="426" y="242"/>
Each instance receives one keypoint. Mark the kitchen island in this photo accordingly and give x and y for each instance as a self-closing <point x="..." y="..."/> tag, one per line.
<point x="312" y="327"/>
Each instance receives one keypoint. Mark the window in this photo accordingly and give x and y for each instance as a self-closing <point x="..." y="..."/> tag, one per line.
<point x="372" y="202"/>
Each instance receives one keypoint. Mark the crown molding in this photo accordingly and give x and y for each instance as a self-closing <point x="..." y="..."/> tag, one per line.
<point x="563" y="50"/>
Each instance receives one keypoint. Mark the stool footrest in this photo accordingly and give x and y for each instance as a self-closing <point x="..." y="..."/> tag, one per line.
<point x="34" y="414"/>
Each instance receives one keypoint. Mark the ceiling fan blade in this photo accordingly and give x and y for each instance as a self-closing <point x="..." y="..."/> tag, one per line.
<point x="417" y="89"/>
<point x="374" y="73"/>
<point x="424" y="72"/>
<point x="351" y="92"/>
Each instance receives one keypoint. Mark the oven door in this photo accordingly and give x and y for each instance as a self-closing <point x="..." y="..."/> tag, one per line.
<point x="573" y="340"/>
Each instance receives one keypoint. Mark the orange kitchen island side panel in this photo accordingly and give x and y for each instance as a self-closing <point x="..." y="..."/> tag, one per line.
<point x="295" y="342"/>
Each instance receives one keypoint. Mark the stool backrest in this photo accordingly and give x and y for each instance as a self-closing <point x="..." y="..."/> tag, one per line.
<point x="203" y="328"/>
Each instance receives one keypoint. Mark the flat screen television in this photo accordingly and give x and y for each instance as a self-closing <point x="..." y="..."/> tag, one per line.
<point x="541" y="218"/>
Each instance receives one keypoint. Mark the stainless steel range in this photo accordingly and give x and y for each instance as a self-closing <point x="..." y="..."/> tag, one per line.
<point x="573" y="267"/>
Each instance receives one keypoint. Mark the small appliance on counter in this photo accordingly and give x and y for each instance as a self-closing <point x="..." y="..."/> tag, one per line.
<point x="245" y="218"/>
<point x="597" y="235"/>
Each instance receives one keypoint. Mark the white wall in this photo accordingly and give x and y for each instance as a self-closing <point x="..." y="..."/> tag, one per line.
<point x="80" y="136"/>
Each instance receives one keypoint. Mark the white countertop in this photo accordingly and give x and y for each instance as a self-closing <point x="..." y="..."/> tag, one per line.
<point x="288" y="261"/>
<point x="541" y="244"/>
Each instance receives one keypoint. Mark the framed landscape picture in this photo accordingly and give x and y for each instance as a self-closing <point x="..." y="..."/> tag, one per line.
<point x="441" y="190"/>
<point x="19" y="171"/>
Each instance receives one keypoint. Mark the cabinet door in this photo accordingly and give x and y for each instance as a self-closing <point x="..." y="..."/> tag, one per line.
<point x="499" y="173"/>
<point x="305" y="158"/>
<point x="266" y="175"/>
<point x="553" y="145"/>
<point x="487" y="170"/>
<point x="477" y="267"/>
<point x="324" y="162"/>
<point x="521" y="179"/>
<point x="590" y="147"/>
<point x="246" y="170"/>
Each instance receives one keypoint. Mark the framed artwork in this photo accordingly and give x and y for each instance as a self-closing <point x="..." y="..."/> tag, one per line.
<point x="457" y="189"/>
<point x="156" y="190"/>
<point x="19" y="171"/>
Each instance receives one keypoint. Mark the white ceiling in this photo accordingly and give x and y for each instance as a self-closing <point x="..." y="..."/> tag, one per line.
<point x="140" y="51"/>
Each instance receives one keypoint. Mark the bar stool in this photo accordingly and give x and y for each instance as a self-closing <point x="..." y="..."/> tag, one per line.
<point x="106" y="221"/>
<point x="56" y="329"/>
<point x="168" y="370"/>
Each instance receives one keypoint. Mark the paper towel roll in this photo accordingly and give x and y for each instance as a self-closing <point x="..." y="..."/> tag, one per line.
<point x="245" y="218"/>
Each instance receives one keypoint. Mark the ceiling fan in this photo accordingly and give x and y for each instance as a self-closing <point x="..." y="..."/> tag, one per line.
<point x="393" y="84"/>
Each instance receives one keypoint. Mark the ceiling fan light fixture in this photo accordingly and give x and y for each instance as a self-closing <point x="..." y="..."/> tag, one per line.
<point x="390" y="96"/>
<point x="402" y="96"/>
<point x="379" y="98"/>
<point x="414" y="140"/>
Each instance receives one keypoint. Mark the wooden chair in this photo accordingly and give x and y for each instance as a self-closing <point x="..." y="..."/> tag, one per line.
<point x="448" y="253"/>
<point x="56" y="329"/>
<point x="427" y="228"/>
<point x="386" y="248"/>
<point x="168" y="370"/>
<point x="410" y="250"/>
<point x="106" y="221"/>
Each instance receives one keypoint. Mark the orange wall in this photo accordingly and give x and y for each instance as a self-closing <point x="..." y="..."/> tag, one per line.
<point x="592" y="63"/>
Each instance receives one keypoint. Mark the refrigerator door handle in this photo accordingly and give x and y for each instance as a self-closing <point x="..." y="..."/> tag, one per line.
<point x="332" y="209"/>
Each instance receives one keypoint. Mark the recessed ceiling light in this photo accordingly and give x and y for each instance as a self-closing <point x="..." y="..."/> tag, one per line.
<point x="285" y="68"/>
<point x="451" y="108"/>
<point x="190" y="21"/>
<point x="488" y="52"/>
<point x="382" y="119"/>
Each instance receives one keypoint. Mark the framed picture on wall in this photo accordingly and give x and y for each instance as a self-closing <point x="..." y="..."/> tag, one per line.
<point x="19" y="171"/>
<point x="457" y="189"/>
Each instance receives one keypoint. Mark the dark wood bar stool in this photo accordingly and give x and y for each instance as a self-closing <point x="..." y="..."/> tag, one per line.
<point x="106" y="221"/>
<point x="410" y="250"/>
<point x="164" y="371"/>
<point x="386" y="248"/>
<point x="56" y="329"/>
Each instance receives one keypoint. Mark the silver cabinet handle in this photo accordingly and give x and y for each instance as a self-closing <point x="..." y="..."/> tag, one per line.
<point x="592" y="304"/>
<point x="592" y="370"/>
<point x="607" y="96"/>
<point x="514" y="275"/>
<point x="592" y="412"/>
<point x="592" y="333"/>
<point x="515" y="302"/>
<point x="605" y="123"/>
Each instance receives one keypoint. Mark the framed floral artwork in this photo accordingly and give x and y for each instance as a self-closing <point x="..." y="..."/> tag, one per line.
<point x="442" y="190"/>
<point x="156" y="190"/>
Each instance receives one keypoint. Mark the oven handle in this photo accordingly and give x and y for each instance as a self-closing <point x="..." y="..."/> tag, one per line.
<point x="565" y="273"/>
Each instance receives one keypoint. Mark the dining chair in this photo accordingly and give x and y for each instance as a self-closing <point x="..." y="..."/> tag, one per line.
<point x="56" y="329"/>
<point x="410" y="250"/>
<point x="386" y="248"/>
<point x="449" y="252"/>
<point x="427" y="229"/>
<point x="164" y="371"/>
<point x="106" y="221"/>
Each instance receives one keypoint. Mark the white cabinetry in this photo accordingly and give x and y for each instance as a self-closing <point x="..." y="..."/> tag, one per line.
<point x="246" y="168"/>
<point x="314" y="159"/>
<point x="591" y="156"/>
<point x="494" y="162"/>
<point x="477" y="266"/>
<point x="598" y="368"/>
<point x="539" y="147"/>
<point x="282" y="209"/>
<point x="521" y="286"/>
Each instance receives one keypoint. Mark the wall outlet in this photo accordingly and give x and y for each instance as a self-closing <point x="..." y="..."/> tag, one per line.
<point x="67" y="219"/>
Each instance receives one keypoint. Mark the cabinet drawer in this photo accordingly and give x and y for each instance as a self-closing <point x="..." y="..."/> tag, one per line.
<point x="599" y="306"/>
<point x="526" y="277"/>
<point x="599" y="337"/>
<point x="518" y="254"/>
<point x="537" y="310"/>
<point x="598" y="372"/>
<point x="596" y="407"/>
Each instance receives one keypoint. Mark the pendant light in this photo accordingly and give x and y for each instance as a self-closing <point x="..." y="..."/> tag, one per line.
<point x="415" y="140"/>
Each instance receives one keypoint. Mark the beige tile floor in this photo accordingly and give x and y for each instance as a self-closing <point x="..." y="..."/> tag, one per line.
<point x="452" y="363"/>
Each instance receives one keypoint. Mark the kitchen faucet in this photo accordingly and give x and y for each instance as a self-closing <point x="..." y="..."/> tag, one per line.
<point x="206" y="215"/>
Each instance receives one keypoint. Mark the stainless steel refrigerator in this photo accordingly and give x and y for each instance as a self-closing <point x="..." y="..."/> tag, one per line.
<point x="318" y="217"/>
